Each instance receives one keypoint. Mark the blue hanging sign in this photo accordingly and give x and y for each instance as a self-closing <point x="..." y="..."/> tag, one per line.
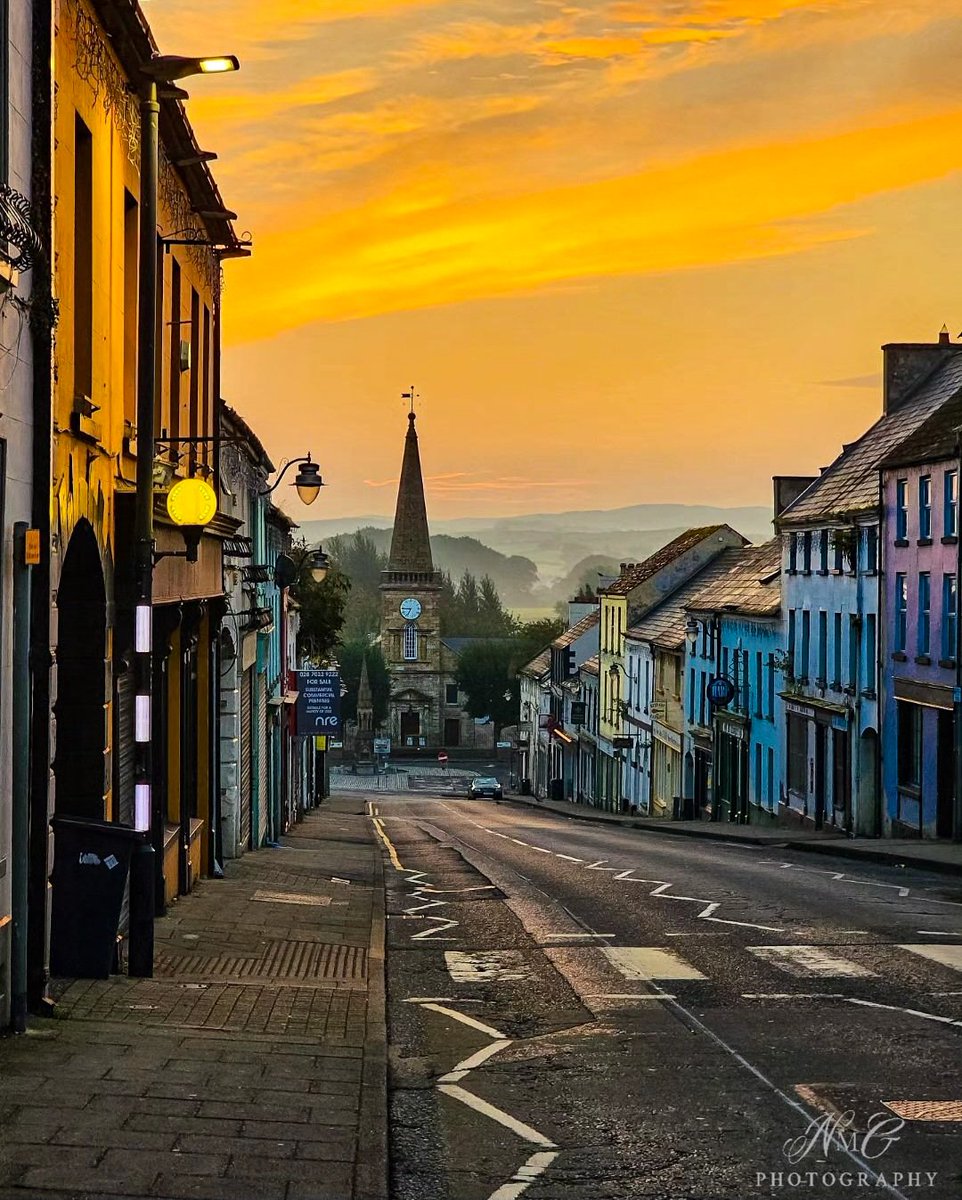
<point x="318" y="701"/>
<point x="720" y="691"/>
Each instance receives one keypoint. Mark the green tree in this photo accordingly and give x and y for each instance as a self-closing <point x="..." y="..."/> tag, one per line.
<point x="322" y="608"/>
<point x="350" y="656"/>
<point x="486" y="676"/>
<point x="358" y="558"/>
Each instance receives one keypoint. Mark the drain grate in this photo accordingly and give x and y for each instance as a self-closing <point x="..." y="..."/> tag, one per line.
<point x="926" y="1110"/>
<point x="281" y="962"/>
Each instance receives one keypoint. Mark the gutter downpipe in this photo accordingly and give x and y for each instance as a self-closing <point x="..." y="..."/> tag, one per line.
<point x="21" y="778"/>
<point x="957" y="698"/>
<point x="43" y="319"/>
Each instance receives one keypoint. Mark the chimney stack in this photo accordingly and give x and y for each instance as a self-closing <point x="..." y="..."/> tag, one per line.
<point x="906" y="364"/>
<point x="787" y="489"/>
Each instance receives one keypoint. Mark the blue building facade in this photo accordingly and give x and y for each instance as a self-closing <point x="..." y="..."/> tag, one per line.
<point x="733" y="761"/>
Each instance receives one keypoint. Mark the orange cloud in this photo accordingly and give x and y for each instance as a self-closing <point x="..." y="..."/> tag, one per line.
<point x="727" y="206"/>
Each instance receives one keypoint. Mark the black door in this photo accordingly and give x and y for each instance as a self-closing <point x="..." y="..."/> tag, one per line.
<point x="945" y="796"/>
<point x="820" y="738"/>
<point x="841" y="780"/>
<point x="410" y="727"/>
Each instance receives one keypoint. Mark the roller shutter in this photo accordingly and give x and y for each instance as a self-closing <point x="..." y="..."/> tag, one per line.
<point x="246" y="756"/>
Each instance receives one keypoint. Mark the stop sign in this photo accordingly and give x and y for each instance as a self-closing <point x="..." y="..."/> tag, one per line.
<point x="442" y="757"/>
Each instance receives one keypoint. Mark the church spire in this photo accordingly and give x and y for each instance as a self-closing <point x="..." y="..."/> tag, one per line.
<point x="411" y="544"/>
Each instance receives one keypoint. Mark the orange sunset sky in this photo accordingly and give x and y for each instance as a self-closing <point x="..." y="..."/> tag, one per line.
<point x="628" y="250"/>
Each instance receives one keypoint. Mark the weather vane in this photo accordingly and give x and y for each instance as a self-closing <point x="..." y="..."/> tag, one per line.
<point x="412" y="396"/>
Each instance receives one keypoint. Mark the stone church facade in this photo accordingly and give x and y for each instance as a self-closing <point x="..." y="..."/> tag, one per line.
<point x="425" y="709"/>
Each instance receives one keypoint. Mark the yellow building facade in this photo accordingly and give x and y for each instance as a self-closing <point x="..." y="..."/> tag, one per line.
<point x="99" y="50"/>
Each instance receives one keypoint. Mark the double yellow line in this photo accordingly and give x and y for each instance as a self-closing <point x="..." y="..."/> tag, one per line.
<point x="381" y="833"/>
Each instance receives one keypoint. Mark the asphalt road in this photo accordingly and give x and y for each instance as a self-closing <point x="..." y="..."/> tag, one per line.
<point x="577" y="1011"/>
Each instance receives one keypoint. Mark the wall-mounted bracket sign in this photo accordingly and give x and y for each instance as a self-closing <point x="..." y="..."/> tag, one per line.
<point x="720" y="691"/>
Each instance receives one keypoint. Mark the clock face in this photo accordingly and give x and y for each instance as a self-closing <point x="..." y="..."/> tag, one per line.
<point x="410" y="609"/>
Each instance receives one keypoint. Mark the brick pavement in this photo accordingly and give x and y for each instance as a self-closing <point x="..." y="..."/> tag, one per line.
<point x="251" y="1066"/>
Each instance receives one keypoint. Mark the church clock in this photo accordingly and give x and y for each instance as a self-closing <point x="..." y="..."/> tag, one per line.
<point x="410" y="608"/>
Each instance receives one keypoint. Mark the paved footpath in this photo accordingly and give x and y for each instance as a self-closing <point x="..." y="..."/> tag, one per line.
<point x="251" y="1066"/>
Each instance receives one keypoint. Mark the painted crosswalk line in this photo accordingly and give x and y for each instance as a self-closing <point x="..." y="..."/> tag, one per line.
<point x="649" y="962"/>
<point x="809" y="961"/>
<point x="946" y="956"/>
<point x="479" y="966"/>
<point x="926" y="1110"/>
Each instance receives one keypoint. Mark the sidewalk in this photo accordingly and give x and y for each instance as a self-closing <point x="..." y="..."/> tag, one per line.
<point x="252" y="1065"/>
<point x="943" y="857"/>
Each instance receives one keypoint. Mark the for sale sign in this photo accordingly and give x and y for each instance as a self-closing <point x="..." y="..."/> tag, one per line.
<point x="318" y="701"/>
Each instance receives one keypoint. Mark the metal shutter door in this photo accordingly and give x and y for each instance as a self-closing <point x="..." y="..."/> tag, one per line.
<point x="246" y="740"/>
<point x="264" y="750"/>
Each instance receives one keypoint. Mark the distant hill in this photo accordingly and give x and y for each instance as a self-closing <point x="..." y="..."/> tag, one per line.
<point x="554" y="543"/>
<point x="513" y="576"/>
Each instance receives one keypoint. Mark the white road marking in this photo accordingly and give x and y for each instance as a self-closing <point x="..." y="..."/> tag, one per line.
<point x="598" y="866"/>
<point x="475" y="1060"/>
<point x="484" y="887"/>
<point x="943" y="993"/>
<point x="946" y="956"/>
<point x="792" y="996"/>
<point x="810" y="960"/>
<point x="630" y="996"/>
<point x="465" y="1020"/>
<point x="744" y="924"/>
<point x="568" y="857"/>
<point x="525" y="1175"/>
<point x="649" y="962"/>
<point x="912" y="1012"/>
<point x="540" y="849"/>
<point x="476" y="966"/>
<point x="496" y="1114"/>
<point x="518" y="842"/>
<point x="433" y="933"/>
<point x="567" y="936"/>
<point x="940" y="932"/>
<point x="838" y="876"/>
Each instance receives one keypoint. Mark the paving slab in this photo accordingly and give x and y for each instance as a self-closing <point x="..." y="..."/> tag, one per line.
<point x="253" y="1063"/>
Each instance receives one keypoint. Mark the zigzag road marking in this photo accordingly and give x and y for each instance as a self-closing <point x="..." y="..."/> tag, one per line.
<point x="449" y="1085"/>
<point x="838" y="876"/>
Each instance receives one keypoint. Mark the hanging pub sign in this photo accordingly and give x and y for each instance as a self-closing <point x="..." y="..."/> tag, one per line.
<point x="577" y="712"/>
<point x="720" y="691"/>
<point x="318" y="701"/>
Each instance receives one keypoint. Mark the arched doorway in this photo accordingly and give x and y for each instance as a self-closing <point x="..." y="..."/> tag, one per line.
<point x="869" y="815"/>
<point x="81" y="707"/>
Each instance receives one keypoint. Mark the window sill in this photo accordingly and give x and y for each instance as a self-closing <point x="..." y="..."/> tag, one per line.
<point x="947" y="664"/>
<point x="836" y="685"/>
<point x="821" y="683"/>
<point x="899" y="656"/>
<point x="950" y="539"/>
<point x="869" y="693"/>
<point x="822" y="571"/>
<point x="902" y="543"/>
<point x="923" y="541"/>
<point x="923" y="660"/>
<point x="849" y="691"/>
<point x="870" y="574"/>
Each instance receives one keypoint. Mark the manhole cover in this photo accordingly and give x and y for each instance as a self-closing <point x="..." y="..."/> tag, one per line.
<point x="926" y="1110"/>
<point x="281" y="962"/>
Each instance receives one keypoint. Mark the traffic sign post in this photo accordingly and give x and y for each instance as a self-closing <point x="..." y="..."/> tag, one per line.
<point x="443" y="759"/>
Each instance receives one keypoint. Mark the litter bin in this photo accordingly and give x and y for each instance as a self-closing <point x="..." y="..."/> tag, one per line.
<point x="91" y="861"/>
<point x="525" y="787"/>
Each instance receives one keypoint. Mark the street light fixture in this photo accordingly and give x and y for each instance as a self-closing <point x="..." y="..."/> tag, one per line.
<point x="144" y="881"/>
<point x="307" y="481"/>
<point x="287" y="570"/>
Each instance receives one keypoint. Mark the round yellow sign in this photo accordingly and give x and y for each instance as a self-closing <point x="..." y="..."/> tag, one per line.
<point x="191" y="502"/>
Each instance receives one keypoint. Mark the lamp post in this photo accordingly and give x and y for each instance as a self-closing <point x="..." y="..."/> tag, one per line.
<point x="307" y="481"/>
<point x="160" y="69"/>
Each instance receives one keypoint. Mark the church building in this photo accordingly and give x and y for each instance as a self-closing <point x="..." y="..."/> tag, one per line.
<point x="425" y="709"/>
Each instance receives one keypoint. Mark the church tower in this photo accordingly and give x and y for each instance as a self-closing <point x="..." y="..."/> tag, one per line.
<point x="410" y="623"/>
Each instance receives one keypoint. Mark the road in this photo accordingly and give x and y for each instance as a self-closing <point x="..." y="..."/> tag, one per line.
<point x="577" y="1011"/>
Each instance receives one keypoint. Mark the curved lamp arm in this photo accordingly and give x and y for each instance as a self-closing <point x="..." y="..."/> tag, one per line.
<point x="308" y="481"/>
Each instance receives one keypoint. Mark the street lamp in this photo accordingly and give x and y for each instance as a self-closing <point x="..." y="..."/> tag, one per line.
<point x="162" y="69"/>
<point x="307" y="481"/>
<point x="287" y="570"/>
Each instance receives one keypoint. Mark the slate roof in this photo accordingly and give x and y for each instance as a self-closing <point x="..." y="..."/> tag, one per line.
<point x="638" y="572"/>
<point x="935" y="441"/>
<point x="591" y="665"/>
<point x="850" y="484"/>
<point x="752" y="587"/>
<point x="665" y="625"/>
<point x="576" y="631"/>
<point x="539" y="665"/>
